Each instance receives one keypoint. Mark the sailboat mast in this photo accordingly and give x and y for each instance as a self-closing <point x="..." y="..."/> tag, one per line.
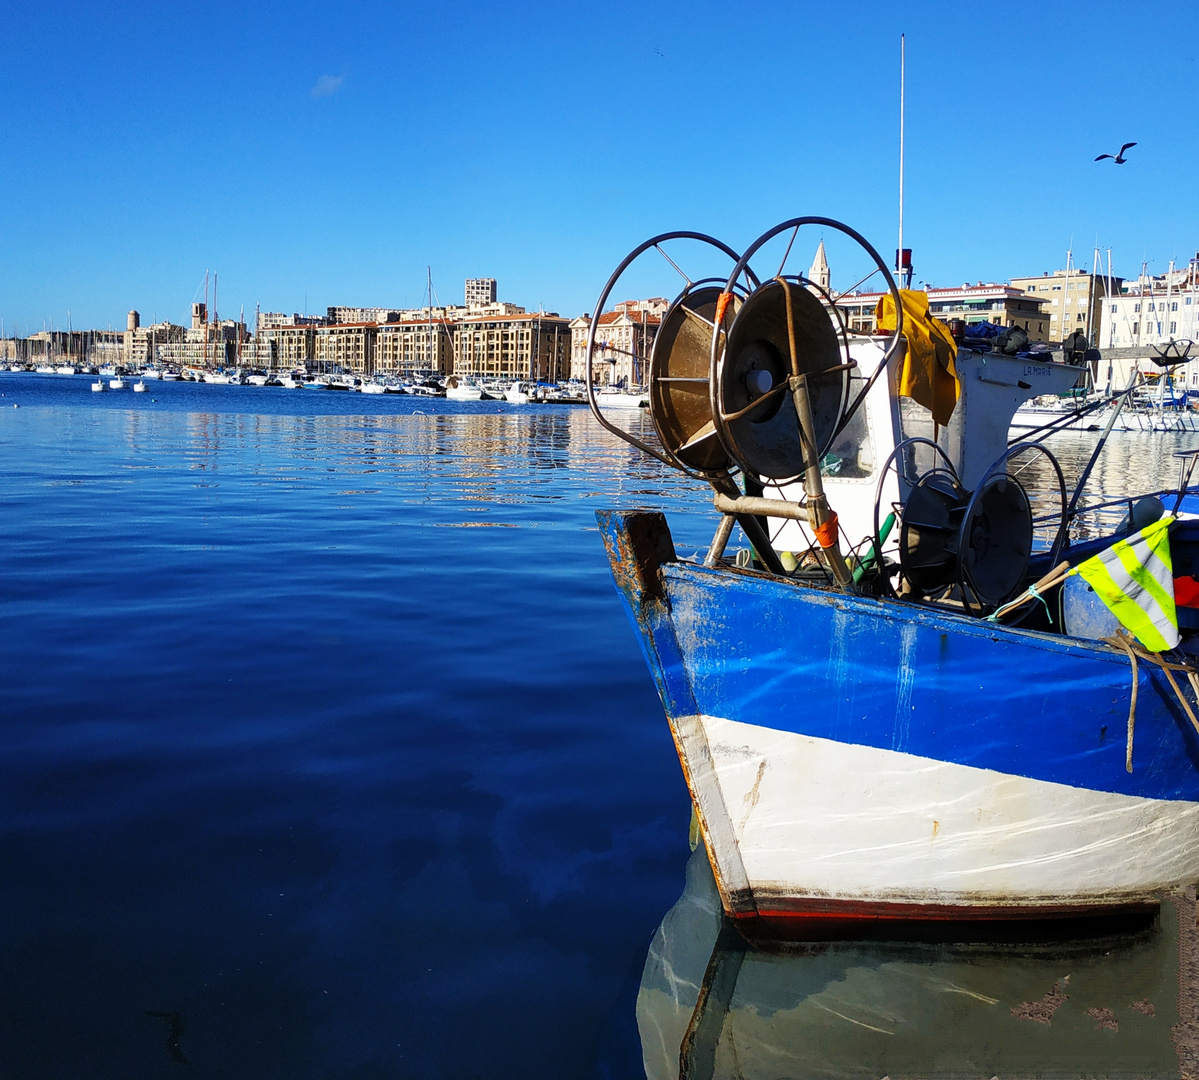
<point x="216" y="327"/>
<point x="429" y="288"/>
<point x="205" y="364"/>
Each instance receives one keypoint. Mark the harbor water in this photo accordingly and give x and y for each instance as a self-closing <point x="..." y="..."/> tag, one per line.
<point x="326" y="751"/>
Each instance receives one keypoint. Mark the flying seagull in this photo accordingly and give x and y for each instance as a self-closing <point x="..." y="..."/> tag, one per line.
<point x="1118" y="158"/>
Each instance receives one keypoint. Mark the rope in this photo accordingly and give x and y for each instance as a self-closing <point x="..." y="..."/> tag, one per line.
<point x="1033" y="592"/>
<point x="1119" y="639"/>
<point x="1129" y="646"/>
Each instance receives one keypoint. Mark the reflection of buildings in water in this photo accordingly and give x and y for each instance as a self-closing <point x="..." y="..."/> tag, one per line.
<point x="711" y="1006"/>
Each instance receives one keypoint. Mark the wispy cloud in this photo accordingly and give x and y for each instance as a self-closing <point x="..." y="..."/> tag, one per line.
<point x="326" y="85"/>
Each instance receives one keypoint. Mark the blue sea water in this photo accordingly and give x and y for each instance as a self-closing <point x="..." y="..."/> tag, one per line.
<point x="324" y="736"/>
<point x="325" y="747"/>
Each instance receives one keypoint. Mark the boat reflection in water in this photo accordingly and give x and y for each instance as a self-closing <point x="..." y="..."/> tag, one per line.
<point x="1113" y="998"/>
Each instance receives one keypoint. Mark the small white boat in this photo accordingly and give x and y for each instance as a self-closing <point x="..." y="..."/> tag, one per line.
<point x="622" y="399"/>
<point x="373" y="387"/>
<point x="218" y="377"/>
<point x="518" y="393"/>
<point x="461" y="390"/>
<point x="169" y="376"/>
<point x="151" y="373"/>
<point x="65" y="369"/>
<point x="257" y="380"/>
<point x="315" y="384"/>
<point x="117" y="384"/>
<point x="45" y="369"/>
<point x="98" y="386"/>
<point x="139" y="387"/>
<point x="289" y="382"/>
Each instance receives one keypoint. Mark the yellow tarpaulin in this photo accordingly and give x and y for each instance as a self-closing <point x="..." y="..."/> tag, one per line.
<point x="928" y="375"/>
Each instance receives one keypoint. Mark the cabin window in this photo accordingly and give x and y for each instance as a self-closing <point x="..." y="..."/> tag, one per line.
<point x="851" y="456"/>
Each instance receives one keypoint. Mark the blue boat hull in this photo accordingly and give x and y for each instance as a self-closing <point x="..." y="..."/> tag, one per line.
<point x="855" y="757"/>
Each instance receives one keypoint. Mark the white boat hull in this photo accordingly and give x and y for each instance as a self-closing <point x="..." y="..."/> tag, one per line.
<point x="622" y="401"/>
<point x="818" y="824"/>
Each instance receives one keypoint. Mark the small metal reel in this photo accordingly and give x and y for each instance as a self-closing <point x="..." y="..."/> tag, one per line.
<point x="938" y="487"/>
<point x="995" y="538"/>
<point x="677" y="365"/>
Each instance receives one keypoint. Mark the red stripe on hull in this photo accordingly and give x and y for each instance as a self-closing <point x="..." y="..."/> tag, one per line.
<point x="823" y="920"/>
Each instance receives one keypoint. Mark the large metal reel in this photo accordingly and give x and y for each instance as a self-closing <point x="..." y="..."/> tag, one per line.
<point x="680" y="397"/>
<point x="759" y="427"/>
<point x="680" y="401"/>
<point x="753" y="411"/>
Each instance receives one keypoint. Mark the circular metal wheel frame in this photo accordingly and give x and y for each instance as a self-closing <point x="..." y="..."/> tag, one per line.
<point x="965" y="585"/>
<point x="720" y="330"/>
<point x="893" y="460"/>
<point x="661" y="454"/>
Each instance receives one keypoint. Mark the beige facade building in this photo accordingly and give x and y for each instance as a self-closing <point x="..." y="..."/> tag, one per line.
<point x="1072" y="301"/>
<point x="624" y="338"/>
<point x="411" y="346"/>
<point x="535" y="347"/>
<point x="345" y="347"/>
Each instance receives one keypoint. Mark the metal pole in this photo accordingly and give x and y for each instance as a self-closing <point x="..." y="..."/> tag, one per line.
<point x="899" y="254"/>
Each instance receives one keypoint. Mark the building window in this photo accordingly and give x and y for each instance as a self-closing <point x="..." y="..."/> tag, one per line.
<point x="1136" y="307"/>
<point x="1057" y="288"/>
<point x="1136" y="327"/>
<point x="1174" y="306"/>
<point x="1173" y="327"/>
<point x="1113" y="309"/>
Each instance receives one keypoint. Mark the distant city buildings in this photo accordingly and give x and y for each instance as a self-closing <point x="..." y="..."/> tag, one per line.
<point x="1003" y="305"/>
<point x="492" y="339"/>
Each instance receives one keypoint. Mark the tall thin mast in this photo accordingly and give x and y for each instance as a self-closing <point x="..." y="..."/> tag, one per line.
<point x="215" y="321"/>
<point x="205" y="364"/>
<point x="899" y="253"/>
<point x="429" y="286"/>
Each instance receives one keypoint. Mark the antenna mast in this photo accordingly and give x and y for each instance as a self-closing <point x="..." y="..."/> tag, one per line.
<point x="899" y="252"/>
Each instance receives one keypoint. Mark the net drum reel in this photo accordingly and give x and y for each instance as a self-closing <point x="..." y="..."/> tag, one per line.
<point x="976" y="544"/>
<point x="784" y="346"/>
<point x="678" y="368"/>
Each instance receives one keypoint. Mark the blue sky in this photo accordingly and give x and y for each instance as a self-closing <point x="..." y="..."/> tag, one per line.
<point x="318" y="153"/>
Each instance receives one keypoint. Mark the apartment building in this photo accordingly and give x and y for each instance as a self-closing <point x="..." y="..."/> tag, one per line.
<point x="624" y="337"/>
<point x="411" y="345"/>
<point x="528" y="346"/>
<point x="1153" y="311"/>
<point x="1072" y="300"/>
<point x="480" y="291"/>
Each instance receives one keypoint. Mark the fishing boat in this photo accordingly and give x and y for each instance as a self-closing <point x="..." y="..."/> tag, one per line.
<point x="914" y="696"/>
